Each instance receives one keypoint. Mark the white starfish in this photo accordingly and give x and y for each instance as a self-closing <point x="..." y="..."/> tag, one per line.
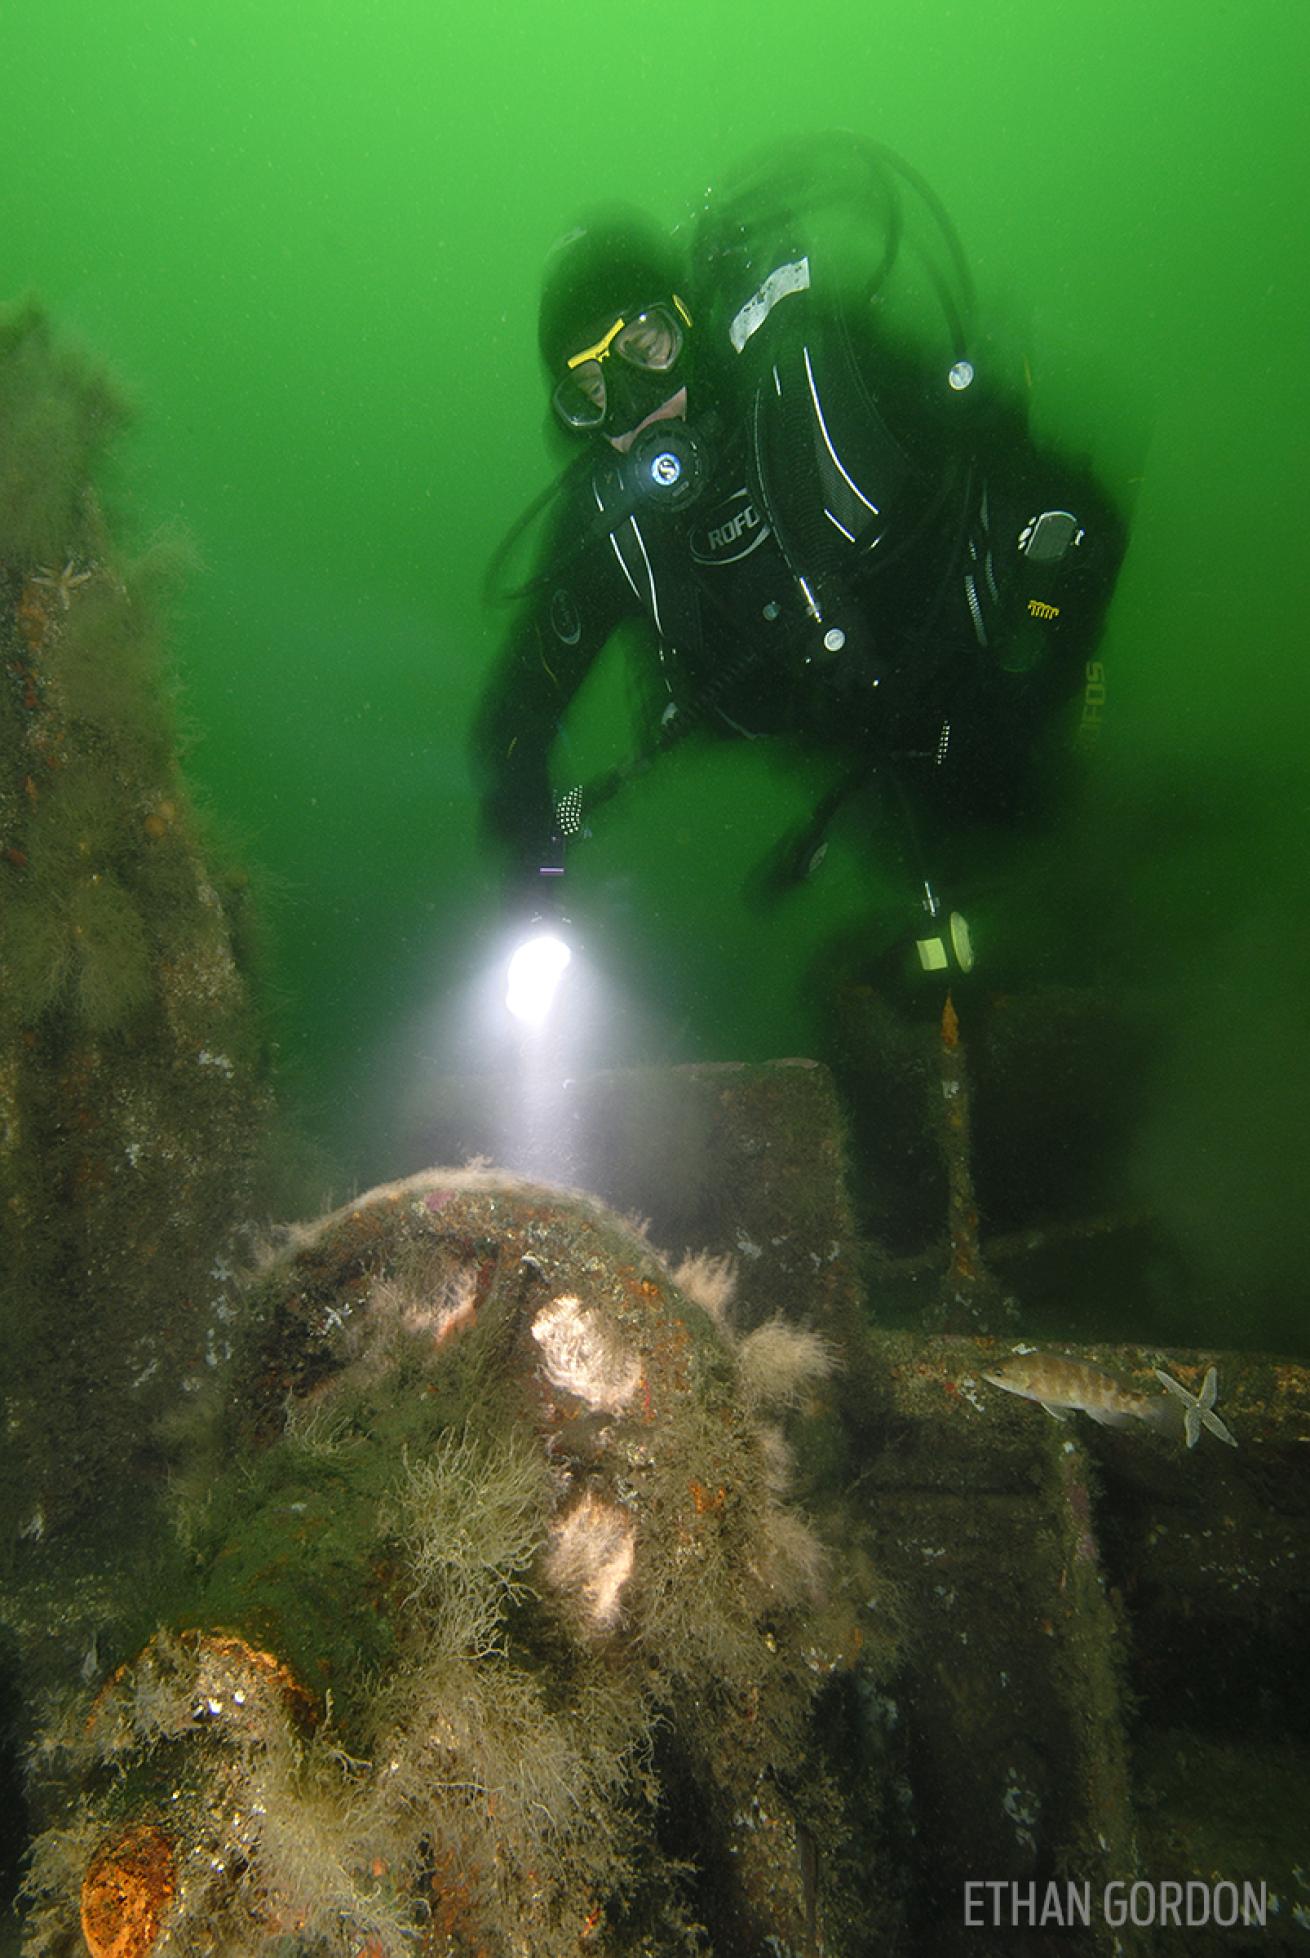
<point x="62" y="583"/>
<point x="1198" y="1408"/>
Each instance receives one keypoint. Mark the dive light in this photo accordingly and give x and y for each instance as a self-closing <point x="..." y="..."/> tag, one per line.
<point x="536" y="968"/>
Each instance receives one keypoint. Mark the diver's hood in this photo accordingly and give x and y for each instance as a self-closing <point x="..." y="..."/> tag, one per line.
<point x="614" y="257"/>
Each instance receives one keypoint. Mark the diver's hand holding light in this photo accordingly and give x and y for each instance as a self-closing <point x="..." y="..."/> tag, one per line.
<point x="543" y="954"/>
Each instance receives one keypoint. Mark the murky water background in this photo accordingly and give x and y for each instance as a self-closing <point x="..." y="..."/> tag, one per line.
<point x="309" y="241"/>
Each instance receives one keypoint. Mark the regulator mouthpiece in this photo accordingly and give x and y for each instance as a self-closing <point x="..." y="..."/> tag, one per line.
<point x="666" y="466"/>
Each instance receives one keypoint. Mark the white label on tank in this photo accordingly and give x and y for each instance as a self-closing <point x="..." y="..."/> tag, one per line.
<point x="794" y="277"/>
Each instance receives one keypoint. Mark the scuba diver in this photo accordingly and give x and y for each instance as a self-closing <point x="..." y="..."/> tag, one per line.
<point x="795" y="465"/>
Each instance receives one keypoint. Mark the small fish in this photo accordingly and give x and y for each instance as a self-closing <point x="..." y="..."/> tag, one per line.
<point x="1064" y="1387"/>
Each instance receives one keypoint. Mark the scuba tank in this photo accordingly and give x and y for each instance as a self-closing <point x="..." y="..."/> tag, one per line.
<point x="838" y="307"/>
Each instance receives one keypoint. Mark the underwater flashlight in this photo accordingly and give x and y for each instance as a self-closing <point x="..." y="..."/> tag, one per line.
<point x="535" y="971"/>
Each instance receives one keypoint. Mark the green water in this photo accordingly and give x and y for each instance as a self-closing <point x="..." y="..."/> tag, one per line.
<point x="309" y="240"/>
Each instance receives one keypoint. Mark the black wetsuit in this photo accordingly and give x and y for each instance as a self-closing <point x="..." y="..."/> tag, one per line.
<point x="875" y="566"/>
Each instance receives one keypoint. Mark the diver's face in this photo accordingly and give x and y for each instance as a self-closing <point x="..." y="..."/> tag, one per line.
<point x="625" y="376"/>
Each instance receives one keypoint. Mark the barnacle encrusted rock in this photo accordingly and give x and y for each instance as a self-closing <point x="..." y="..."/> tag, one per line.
<point x="499" y="1632"/>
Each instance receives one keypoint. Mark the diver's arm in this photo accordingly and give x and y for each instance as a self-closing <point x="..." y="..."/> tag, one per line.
<point x="1058" y="543"/>
<point x="1019" y="643"/>
<point x="548" y="654"/>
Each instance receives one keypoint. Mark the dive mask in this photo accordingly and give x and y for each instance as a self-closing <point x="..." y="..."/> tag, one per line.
<point x="645" y="347"/>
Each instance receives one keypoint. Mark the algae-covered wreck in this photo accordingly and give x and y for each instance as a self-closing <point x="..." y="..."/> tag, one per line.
<point x="131" y="1067"/>
<point x="496" y="1630"/>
